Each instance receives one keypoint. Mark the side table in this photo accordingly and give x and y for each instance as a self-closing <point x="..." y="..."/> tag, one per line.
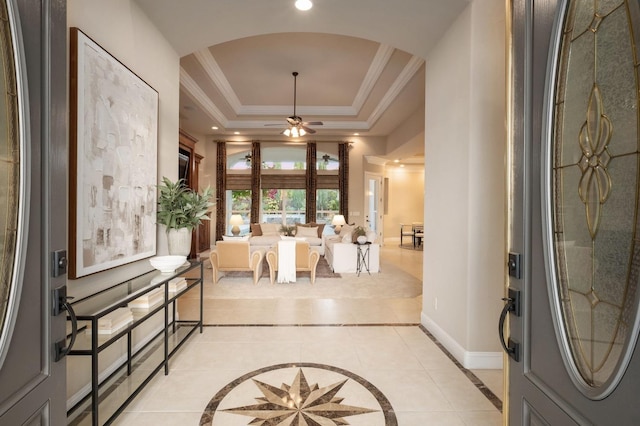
<point x="363" y="257"/>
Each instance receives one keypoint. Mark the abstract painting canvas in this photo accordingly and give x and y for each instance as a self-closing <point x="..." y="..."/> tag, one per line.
<point x="113" y="146"/>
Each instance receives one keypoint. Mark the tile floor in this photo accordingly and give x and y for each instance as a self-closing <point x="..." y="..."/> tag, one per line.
<point x="394" y="373"/>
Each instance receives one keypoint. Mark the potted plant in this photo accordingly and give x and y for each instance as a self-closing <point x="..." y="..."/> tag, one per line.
<point x="360" y="234"/>
<point x="288" y="230"/>
<point x="181" y="210"/>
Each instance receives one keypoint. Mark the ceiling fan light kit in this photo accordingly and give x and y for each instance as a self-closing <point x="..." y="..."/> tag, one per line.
<point x="303" y="4"/>
<point x="298" y="128"/>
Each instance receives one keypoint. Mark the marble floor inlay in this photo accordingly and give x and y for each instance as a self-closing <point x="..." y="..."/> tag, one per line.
<point x="325" y="398"/>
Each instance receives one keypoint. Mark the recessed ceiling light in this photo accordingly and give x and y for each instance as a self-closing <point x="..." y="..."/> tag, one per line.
<point x="303" y="4"/>
<point x="214" y="127"/>
<point x="396" y="160"/>
<point x="356" y="134"/>
<point x="236" y="133"/>
<point x="401" y="165"/>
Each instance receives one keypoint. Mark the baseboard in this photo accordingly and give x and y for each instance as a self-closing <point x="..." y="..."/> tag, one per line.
<point x="469" y="360"/>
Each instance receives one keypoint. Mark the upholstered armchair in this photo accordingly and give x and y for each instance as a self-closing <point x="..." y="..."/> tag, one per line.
<point x="306" y="260"/>
<point x="236" y="256"/>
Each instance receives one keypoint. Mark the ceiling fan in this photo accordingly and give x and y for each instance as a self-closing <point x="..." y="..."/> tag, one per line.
<point x="326" y="158"/>
<point x="297" y="127"/>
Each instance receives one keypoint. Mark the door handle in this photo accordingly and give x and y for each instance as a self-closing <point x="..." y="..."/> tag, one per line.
<point x="61" y="304"/>
<point x="512" y="305"/>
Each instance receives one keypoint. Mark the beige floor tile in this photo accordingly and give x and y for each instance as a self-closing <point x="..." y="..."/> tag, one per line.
<point x="423" y="385"/>
<point x="159" y="419"/>
<point x="465" y="397"/>
<point x="409" y="390"/>
<point x="493" y="379"/>
<point x="483" y="418"/>
<point x="430" y="418"/>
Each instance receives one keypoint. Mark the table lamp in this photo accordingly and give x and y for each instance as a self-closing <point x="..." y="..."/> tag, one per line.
<point x="337" y="222"/>
<point x="235" y="221"/>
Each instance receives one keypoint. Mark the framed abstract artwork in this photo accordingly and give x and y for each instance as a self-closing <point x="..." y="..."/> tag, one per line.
<point x="113" y="149"/>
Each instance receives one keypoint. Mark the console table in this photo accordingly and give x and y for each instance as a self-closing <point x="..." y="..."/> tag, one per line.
<point x="150" y="338"/>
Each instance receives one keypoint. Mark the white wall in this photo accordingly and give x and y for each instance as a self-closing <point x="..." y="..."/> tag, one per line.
<point x="126" y="33"/>
<point x="121" y="29"/>
<point x="405" y="199"/>
<point x="465" y="140"/>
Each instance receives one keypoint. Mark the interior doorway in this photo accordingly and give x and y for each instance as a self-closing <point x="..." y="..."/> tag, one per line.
<point x="372" y="202"/>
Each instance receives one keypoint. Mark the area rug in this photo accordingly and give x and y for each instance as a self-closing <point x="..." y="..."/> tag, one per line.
<point x="390" y="283"/>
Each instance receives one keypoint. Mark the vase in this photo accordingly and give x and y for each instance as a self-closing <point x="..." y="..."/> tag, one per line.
<point x="179" y="241"/>
<point x="362" y="239"/>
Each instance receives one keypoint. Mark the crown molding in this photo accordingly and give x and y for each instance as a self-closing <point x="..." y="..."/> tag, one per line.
<point x="218" y="78"/>
<point x="380" y="60"/>
<point x="258" y="124"/>
<point x="300" y="110"/>
<point x="376" y="160"/>
<point x="403" y="79"/>
<point x="200" y="97"/>
<point x="213" y="70"/>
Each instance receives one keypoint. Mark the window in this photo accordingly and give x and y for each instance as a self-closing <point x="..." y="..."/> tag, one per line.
<point x="326" y="161"/>
<point x="239" y="157"/>
<point x="284" y="157"/>
<point x="286" y="206"/>
<point x="327" y="204"/>
<point x="239" y="202"/>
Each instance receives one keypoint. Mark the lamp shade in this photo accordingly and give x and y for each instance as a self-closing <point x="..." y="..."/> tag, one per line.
<point x="235" y="220"/>
<point x="338" y="220"/>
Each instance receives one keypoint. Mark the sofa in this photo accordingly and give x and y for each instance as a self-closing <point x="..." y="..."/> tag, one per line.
<point x="266" y="235"/>
<point x="342" y="254"/>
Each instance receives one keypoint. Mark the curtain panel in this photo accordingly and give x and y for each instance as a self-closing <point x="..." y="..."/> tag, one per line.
<point x="256" y="181"/>
<point x="221" y="189"/>
<point x="343" y="182"/>
<point x="311" y="184"/>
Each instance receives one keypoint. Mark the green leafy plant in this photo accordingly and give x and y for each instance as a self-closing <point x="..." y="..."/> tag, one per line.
<point x="359" y="231"/>
<point x="287" y="230"/>
<point x="180" y="206"/>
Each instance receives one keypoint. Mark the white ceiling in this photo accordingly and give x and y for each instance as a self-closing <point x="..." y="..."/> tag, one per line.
<point x="360" y="62"/>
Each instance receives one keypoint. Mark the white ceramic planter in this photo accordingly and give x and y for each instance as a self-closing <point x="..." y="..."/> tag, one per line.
<point x="179" y="241"/>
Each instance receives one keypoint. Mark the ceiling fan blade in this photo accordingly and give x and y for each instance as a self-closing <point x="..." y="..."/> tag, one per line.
<point x="313" y="123"/>
<point x="277" y="125"/>
<point x="308" y="130"/>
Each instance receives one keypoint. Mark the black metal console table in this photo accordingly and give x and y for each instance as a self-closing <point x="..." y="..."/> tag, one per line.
<point x="155" y="347"/>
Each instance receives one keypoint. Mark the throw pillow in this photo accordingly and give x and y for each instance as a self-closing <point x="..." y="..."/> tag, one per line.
<point x="270" y="228"/>
<point x="320" y="227"/>
<point x="346" y="229"/>
<point x="307" y="231"/>
<point x="256" y="230"/>
<point x="347" y="237"/>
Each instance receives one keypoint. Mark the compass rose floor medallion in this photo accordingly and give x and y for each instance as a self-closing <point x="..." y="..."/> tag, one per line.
<point x="303" y="394"/>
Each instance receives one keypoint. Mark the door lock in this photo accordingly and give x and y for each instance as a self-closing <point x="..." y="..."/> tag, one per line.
<point x="58" y="263"/>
